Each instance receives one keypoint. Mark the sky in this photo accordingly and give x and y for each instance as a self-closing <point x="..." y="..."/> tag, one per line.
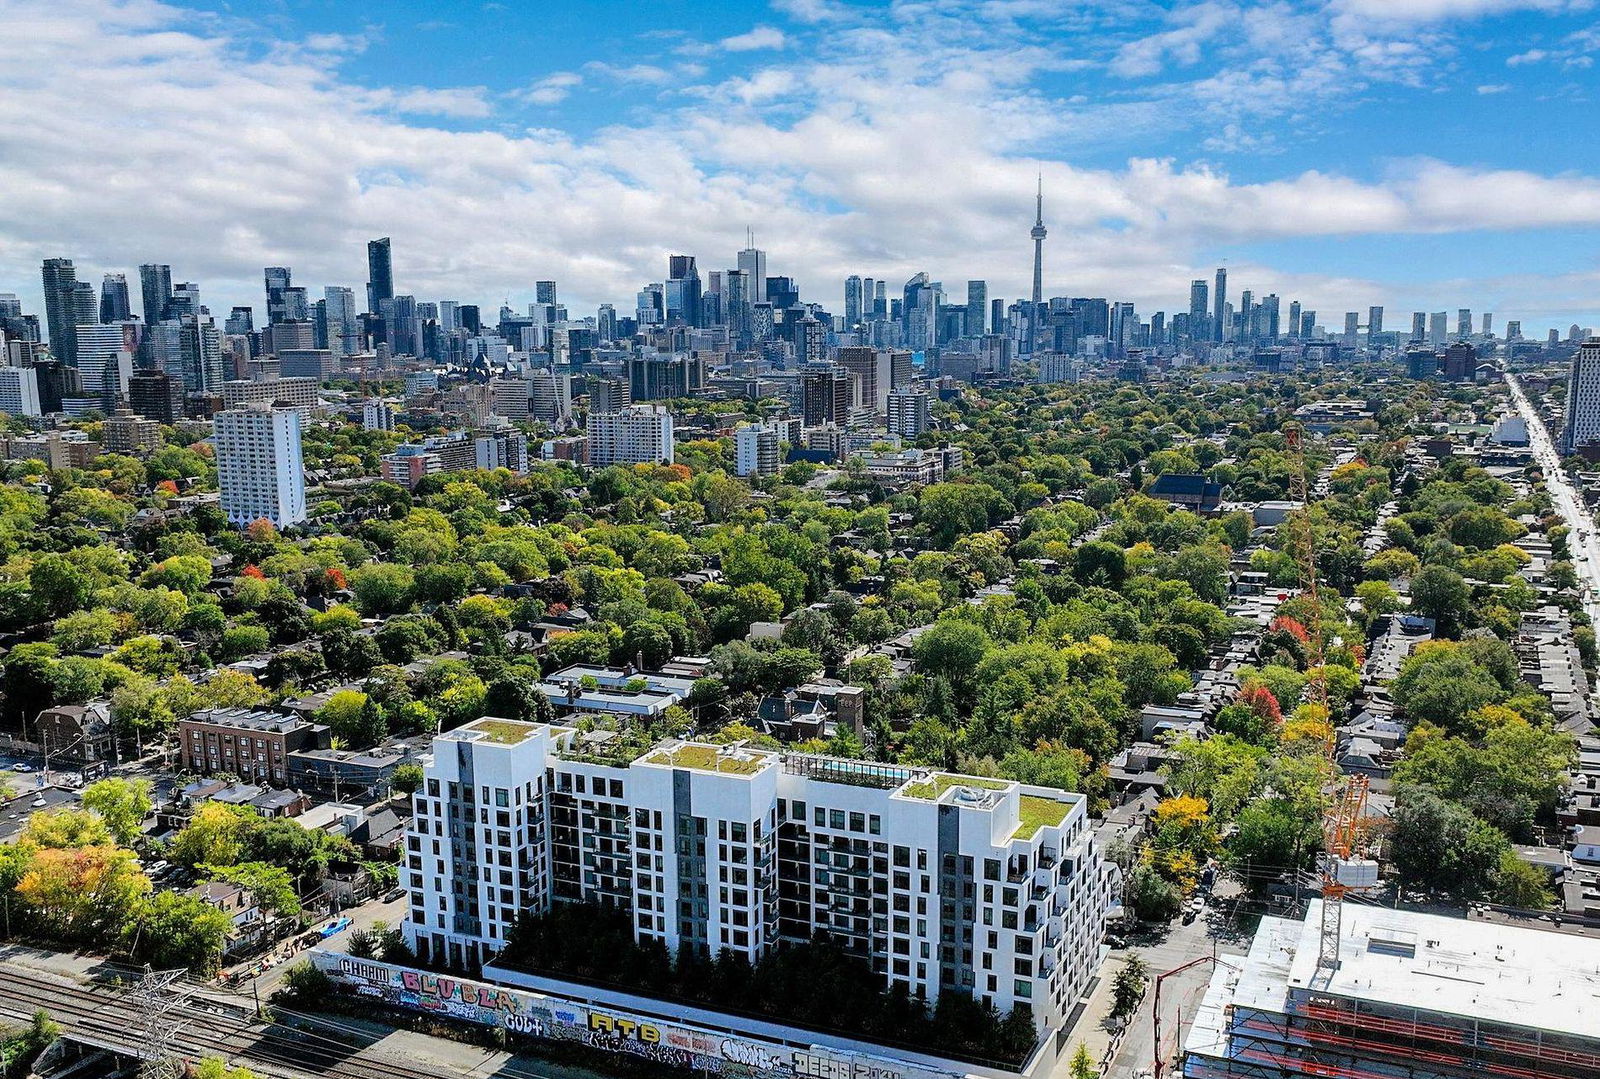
<point x="1420" y="154"/>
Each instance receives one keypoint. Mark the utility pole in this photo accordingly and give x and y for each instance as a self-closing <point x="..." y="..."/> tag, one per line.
<point x="154" y="1001"/>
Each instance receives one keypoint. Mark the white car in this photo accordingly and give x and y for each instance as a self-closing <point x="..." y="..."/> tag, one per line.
<point x="22" y="768"/>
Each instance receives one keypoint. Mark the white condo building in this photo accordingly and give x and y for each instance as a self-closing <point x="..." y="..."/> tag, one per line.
<point x="638" y="434"/>
<point x="259" y="466"/>
<point x="941" y="882"/>
<point x="755" y="450"/>
<point x="19" y="391"/>
<point x="1583" y="398"/>
<point x="907" y="414"/>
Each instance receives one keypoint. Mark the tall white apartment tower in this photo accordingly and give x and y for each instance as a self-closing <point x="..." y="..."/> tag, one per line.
<point x="639" y="434"/>
<point x="755" y="449"/>
<point x="1583" y="398"/>
<point x="259" y="465"/>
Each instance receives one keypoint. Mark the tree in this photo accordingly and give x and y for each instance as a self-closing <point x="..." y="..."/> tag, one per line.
<point x="952" y="648"/>
<point x="1150" y="896"/>
<point x="407" y="779"/>
<point x="1101" y="563"/>
<point x="515" y="695"/>
<point x="1441" y="593"/>
<point x="1440" y="683"/>
<point x="122" y="803"/>
<point x="269" y="886"/>
<point x="1082" y="1065"/>
<point x="383" y="588"/>
<point x="214" y="836"/>
<point x="78" y="894"/>
<point x="1439" y="846"/>
<point x="170" y="929"/>
<point x="1518" y="884"/>
<point x="1127" y="988"/>
<point x="1272" y="835"/>
<point x="66" y="828"/>
<point x="217" y="1068"/>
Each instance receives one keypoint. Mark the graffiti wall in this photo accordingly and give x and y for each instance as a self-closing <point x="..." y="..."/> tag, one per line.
<point x="560" y="1019"/>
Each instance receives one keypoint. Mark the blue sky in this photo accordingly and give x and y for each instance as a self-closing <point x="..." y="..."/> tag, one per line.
<point x="1417" y="153"/>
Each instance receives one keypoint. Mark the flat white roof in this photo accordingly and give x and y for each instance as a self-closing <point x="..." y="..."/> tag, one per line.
<point x="1510" y="974"/>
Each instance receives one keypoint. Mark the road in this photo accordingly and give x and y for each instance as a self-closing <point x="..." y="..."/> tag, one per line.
<point x="1212" y="932"/>
<point x="1584" y="541"/>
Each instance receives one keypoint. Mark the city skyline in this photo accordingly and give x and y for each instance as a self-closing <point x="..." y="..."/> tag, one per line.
<point x="1217" y="142"/>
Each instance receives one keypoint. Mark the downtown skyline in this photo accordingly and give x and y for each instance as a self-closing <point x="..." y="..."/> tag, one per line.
<point x="591" y="176"/>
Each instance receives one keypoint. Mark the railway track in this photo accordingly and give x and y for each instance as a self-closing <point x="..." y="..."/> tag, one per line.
<point x="102" y="1015"/>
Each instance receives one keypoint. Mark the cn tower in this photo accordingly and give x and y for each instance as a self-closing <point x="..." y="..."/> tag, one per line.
<point x="1038" y="270"/>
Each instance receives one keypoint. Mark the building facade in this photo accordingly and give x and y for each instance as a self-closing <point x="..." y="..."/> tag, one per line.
<point x="259" y="466"/>
<point x="1412" y="995"/>
<point x="243" y="742"/>
<point x="1583" y="398"/>
<point x="755" y="450"/>
<point x="638" y="434"/>
<point x="941" y="882"/>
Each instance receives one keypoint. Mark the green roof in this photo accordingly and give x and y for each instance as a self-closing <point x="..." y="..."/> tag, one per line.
<point x="706" y="758"/>
<point x="1035" y="813"/>
<point x="507" y="732"/>
<point x="933" y="789"/>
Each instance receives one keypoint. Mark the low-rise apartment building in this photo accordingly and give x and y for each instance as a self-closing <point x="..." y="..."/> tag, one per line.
<point x="248" y="743"/>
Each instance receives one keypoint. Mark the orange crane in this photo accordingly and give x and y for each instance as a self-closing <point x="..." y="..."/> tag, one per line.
<point x="1343" y="870"/>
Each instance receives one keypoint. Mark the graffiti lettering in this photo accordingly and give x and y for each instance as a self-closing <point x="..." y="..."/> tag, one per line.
<point x="624" y="1028"/>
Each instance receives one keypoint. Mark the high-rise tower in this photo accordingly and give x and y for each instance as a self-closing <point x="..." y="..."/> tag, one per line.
<point x="1038" y="235"/>
<point x="380" y="274"/>
<point x="1219" y="305"/>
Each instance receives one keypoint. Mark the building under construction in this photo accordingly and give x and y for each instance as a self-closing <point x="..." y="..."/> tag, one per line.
<point x="1405" y="996"/>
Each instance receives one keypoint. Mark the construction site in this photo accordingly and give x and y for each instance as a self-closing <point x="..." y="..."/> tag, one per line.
<point x="1403" y="995"/>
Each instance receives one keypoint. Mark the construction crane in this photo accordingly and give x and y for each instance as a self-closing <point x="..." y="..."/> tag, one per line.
<point x="1343" y="826"/>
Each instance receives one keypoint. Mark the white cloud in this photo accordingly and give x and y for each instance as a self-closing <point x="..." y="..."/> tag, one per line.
<point x="1532" y="56"/>
<point x="762" y="37"/>
<point x="1432" y="10"/>
<point x="899" y="147"/>
<point x="550" y="90"/>
<point x="636" y="73"/>
<point x="812" y="11"/>
<point x="1493" y="88"/>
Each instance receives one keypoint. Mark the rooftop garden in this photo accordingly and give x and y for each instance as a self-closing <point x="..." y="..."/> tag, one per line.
<point x="505" y="732"/>
<point x="705" y="758"/>
<point x="933" y="789"/>
<point x="1035" y="813"/>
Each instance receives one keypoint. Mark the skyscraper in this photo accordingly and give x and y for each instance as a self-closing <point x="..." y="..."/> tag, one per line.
<point x="1198" y="309"/>
<point x="380" y="274"/>
<point x="114" y="303"/>
<point x="1219" y="305"/>
<point x="277" y="282"/>
<point x="260" y="470"/>
<point x="344" y="327"/>
<point x="60" y="280"/>
<point x="1294" y="319"/>
<point x="544" y="292"/>
<point x="852" y="301"/>
<point x="1464" y="322"/>
<point x="155" y="288"/>
<point x="683" y="290"/>
<point x="1038" y="234"/>
<point x="1419" y="326"/>
<point x="754" y="263"/>
<point x="977" y="300"/>
<point x="1583" y="397"/>
<point x="1374" y="322"/>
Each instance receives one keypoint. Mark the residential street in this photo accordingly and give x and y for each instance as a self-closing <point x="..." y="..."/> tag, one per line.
<point x="1583" y="541"/>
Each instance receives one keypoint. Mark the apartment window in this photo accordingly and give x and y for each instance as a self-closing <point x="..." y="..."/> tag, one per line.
<point x="836" y="820"/>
